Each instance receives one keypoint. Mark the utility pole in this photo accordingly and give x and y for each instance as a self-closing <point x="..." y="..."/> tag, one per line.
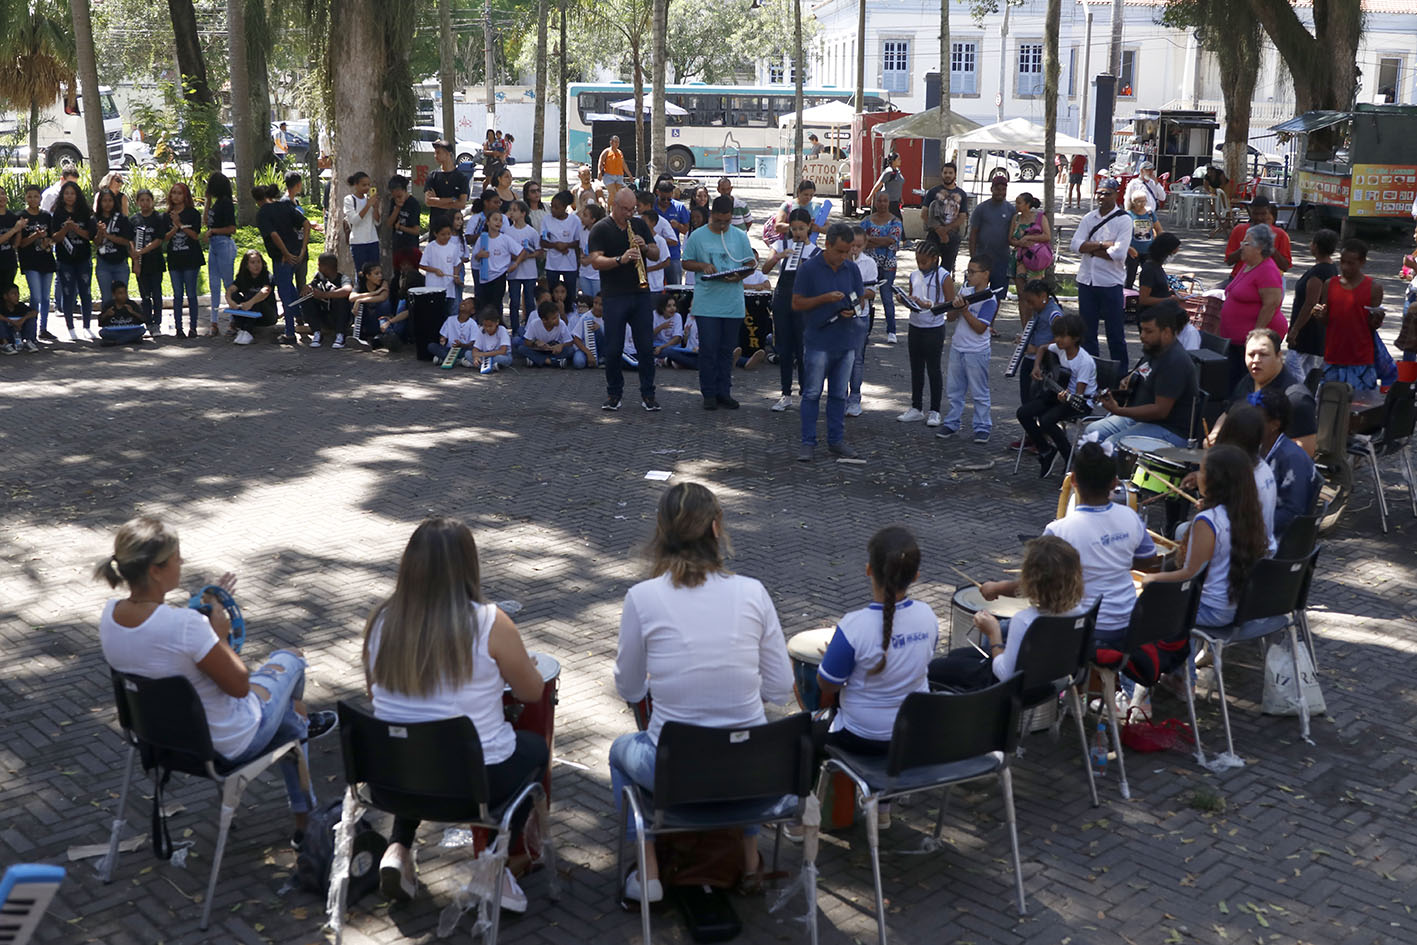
<point x="445" y="70"/>
<point x="860" y="55"/>
<point x="799" y="66"/>
<point x="1003" y="69"/>
<point x="487" y="64"/>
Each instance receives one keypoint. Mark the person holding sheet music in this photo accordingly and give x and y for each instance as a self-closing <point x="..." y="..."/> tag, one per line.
<point x="718" y="248"/>
<point x="788" y="253"/>
<point x="884" y="233"/>
<point x="930" y="285"/>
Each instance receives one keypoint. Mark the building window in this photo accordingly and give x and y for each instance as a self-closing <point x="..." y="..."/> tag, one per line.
<point x="1073" y="72"/>
<point x="1389" y="86"/>
<point x="1030" y="70"/>
<point x="895" y="65"/>
<point x="1126" y="82"/>
<point x="782" y="72"/>
<point x="964" y="68"/>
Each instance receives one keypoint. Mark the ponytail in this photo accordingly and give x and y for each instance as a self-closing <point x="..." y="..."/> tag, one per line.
<point x="895" y="563"/>
<point x="141" y="543"/>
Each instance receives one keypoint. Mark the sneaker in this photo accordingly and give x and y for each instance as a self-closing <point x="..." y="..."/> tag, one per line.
<point x="315" y="340"/>
<point x="933" y="420"/>
<point x="737" y="353"/>
<point x="398" y="879"/>
<point x="945" y="433"/>
<point x="611" y="403"/>
<point x="321" y="724"/>
<point x="890" y="338"/>
<point x="913" y="415"/>
<point x="29" y="346"/>
<point x="178" y="332"/>
<point x="805" y="453"/>
<point x="654" y="890"/>
<point x="756" y="360"/>
<point x="728" y="403"/>
<point x="514" y="900"/>
<point x="783" y="403"/>
<point x="47" y="335"/>
<point x="1027" y="446"/>
<point x="466" y="361"/>
<point x="650" y="404"/>
<point x="853" y="410"/>
<point x="710" y="403"/>
<point x="244" y="337"/>
<point x="73" y="335"/>
<point x="841" y="451"/>
<point x="981" y="436"/>
<point x="339" y="342"/>
<point x="8" y="348"/>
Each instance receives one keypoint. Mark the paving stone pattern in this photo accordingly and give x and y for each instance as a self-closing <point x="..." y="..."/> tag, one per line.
<point x="305" y="471"/>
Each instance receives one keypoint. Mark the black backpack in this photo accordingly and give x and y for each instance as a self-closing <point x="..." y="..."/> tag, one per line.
<point x="317" y="853"/>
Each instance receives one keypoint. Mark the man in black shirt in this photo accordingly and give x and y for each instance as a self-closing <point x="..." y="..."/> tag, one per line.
<point x="1164" y="402"/>
<point x="277" y="226"/>
<point x="619" y="247"/>
<point x="940" y="227"/>
<point x="405" y="227"/>
<point x="445" y="190"/>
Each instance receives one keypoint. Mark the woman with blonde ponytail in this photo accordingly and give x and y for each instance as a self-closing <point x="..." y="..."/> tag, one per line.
<point x="248" y="713"/>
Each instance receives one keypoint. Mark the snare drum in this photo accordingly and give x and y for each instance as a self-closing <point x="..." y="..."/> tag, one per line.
<point x="757" y="321"/>
<point x="806" y="649"/>
<point x="967" y="602"/>
<point x="1131" y="448"/>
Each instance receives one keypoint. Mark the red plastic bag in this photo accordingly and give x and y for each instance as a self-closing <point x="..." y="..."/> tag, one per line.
<point x="1144" y="735"/>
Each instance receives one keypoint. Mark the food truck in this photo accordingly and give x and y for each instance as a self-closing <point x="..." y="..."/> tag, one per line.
<point x="1355" y="167"/>
<point x="1177" y="141"/>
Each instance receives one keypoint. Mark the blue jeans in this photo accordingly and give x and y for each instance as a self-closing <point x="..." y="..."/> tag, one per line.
<point x="858" y="366"/>
<point x="887" y="296"/>
<point x="633" y="310"/>
<point x="39" y="284"/>
<point x="283" y="677"/>
<point x="684" y="357"/>
<point x="540" y="358"/>
<point x="1111" y="429"/>
<point x="1102" y="304"/>
<point x="832" y="368"/>
<point x="588" y="287"/>
<point x="107" y="274"/>
<point x="184" y="282"/>
<point x="284" y="276"/>
<point x="673" y="272"/>
<point x="221" y="265"/>
<point x="26" y="332"/>
<point x="717" y="339"/>
<point x="74" y="281"/>
<point x="523" y="296"/>
<point x="361" y="253"/>
<point x="968" y="377"/>
<point x="121" y="336"/>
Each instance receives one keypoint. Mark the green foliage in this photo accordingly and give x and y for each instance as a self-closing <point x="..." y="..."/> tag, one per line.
<point x="979" y="9"/>
<point x="177" y="117"/>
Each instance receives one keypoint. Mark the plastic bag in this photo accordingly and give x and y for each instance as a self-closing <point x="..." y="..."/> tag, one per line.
<point x="1279" y="695"/>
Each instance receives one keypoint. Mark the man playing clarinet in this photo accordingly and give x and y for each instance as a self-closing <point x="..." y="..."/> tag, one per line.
<point x="618" y="246"/>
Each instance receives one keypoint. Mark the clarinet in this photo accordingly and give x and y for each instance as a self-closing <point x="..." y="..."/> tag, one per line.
<point x="1017" y="358"/>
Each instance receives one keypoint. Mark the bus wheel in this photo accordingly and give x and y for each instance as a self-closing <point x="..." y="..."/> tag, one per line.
<point x="679" y="161"/>
<point x="62" y="153"/>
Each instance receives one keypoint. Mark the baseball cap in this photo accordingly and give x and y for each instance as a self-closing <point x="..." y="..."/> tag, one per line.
<point x="1148" y="165"/>
<point x="1108" y="183"/>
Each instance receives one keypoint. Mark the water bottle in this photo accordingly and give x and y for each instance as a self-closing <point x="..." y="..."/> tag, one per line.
<point x="1098" y="753"/>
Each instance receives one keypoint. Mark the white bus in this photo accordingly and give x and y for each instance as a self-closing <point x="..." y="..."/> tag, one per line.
<point x="61" y="132"/>
<point x="739" y="119"/>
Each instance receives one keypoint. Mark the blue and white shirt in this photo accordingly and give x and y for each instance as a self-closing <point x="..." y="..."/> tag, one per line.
<point x="1107" y="538"/>
<point x="869" y="703"/>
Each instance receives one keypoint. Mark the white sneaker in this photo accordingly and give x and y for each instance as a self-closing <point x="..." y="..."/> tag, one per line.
<point x="339" y="342"/>
<point x="933" y="420"/>
<point x="73" y="335"/>
<point x="30" y="346"/>
<point x="244" y="337"/>
<point x="398" y="877"/>
<point x="513" y="899"/>
<point x="654" y="892"/>
<point x="783" y="403"/>
<point x="911" y="416"/>
<point x="853" y="410"/>
<point x="890" y="337"/>
<point x="315" y="340"/>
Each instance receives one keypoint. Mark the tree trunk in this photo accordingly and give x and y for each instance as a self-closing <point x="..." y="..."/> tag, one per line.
<point x="798" y="67"/>
<point x="562" y="57"/>
<point x="1051" y="68"/>
<point x="1323" y="64"/>
<point x="637" y="74"/>
<point x="34" y="133"/>
<point x="195" y="90"/>
<point x="445" y="71"/>
<point x="88" y="81"/>
<point x="240" y="110"/>
<point x="538" y="128"/>
<point x="1238" y="52"/>
<point x="488" y="66"/>
<point x="261" y="146"/>
<point x="946" y="50"/>
<point x="658" y="30"/>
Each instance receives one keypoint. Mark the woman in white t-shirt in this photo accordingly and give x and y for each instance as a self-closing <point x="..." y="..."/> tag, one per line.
<point x="495" y="254"/>
<point x="434" y="650"/>
<point x="248" y="713"/>
<point x="521" y="280"/>
<point x="361" y="216"/>
<point x="693" y="614"/>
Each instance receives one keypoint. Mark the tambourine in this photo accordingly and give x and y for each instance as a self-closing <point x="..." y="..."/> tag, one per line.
<point x="237" y="636"/>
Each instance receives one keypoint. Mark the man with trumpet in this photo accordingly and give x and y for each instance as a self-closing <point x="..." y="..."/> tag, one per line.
<point x="618" y="247"/>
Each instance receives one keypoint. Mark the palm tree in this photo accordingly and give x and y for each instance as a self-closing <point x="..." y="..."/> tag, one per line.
<point x="36" y="58"/>
<point x="94" y="137"/>
<point x="202" y="131"/>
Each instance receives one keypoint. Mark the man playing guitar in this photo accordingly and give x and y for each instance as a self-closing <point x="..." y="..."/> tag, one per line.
<point x="1065" y="379"/>
<point x="1164" y="401"/>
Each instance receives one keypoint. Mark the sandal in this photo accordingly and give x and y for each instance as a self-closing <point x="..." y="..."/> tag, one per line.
<point x="750" y="884"/>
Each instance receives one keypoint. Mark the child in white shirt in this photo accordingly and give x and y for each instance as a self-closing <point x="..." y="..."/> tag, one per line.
<point x="548" y="339"/>
<point x="668" y="328"/>
<point x="929" y="286"/>
<point x="492" y="348"/>
<point x="496" y="254"/>
<point x="685" y="355"/>
<point x="439" y="263"/>
<point x="521" y="280"/>
<point x="459" y="331"/>
<point x="1043" y="414"/>
<point x="969" y="353"/>
<point x="589" y="332"/>
<point x="561" y="238"/>
<point x="589" y="277"/>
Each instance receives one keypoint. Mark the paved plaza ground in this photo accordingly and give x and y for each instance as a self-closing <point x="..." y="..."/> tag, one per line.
<point x="305" y="471"/>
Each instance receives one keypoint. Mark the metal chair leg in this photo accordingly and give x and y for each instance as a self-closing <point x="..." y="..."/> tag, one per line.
<point x="1111" y="703"/>
<point x="1378" y="486"/>
<point x="1411" y="479"/>
<point x="1307" y="633"/>
<point x="1018" y="457"/>
<point x="873" y="839"/>
<point x="1299" y="685"/>
<point x="1082" y="740"/>
<point x="1006" y="781"/>
<point x="110" y="860"/>
<point x="1191" y="708"/>
<point x="1217" y="650"/>
<point x="641" y="848"/>
<point x="230" y="796"/>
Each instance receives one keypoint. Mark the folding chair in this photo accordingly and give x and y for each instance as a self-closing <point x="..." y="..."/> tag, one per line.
<point x="25" y="893"/>
<point x="428" y="771"/>
<point x="940" y="739"/>
<point x="1399" y="418"/>
<point x="1268" y="603"/>
<point x="164" y="722"/>
<point x="1164" y="612"/>
<point x="714" y="778"/>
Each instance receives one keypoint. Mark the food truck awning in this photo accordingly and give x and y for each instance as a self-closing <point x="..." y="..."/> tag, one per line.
<point x="1310" y="121"/>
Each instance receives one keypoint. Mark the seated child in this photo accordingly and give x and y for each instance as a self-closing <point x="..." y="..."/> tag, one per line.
<point x="492" y="348"/>
<point x="686" y="355"/>
<point x="251" y="297"/>
<point x="969" y="353"/>
<point x="547" y="339"/>
<point x="459" y="331"/>
<point x="1043" y="414"/>
<point x="1051" y="579"/>
<point x="668" y="328"/>
<point x="372" y="309"/>
<point x="18" y="323"/>
<point x="328" y="308"/>
<point x="1038" y="295"/>
<point x="587" y="331"/>
<point x="121" y="322"/>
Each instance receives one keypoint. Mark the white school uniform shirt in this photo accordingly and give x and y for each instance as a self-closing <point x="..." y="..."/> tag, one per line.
<point x="536" y="330"/>
<point x="630" y="343"/>
<point x="529" y="238"/>
<point x="676" y="328"/>
<point x="869" y="703"/>
<point x="655" y="277"/>
<point x="1083" y="368"/>
<point x="562" y="231"/>
<point x="587" y="325"/>
<point x="447" y="258"/>
<point x="931" y="286"/>
<point x="1107" y="538"/>
<point x="586" y="271"/>
<point x="691" y="333"/>
<point x="1190" y="337"/>
<point x="459" y="332"/>
<point x="965" y="338"/>
<point x="473" y="226"/>
<point x="498" y="339"/>
<point x="1006" y="662"/>
<point x="792" y="261"/>
<point x="501" y="250"/>
<point x="361" y="229"/>
<point x="664" y="228"/>
<point x="1118" y="231"/>
<point x="869" y="274"/>
<point x="1215" y="594"/>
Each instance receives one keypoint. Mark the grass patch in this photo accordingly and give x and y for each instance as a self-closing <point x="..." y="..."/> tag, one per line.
<point x="1206" y="801"/>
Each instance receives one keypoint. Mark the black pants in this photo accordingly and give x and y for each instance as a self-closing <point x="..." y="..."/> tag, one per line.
<point x="150" y="290"/>
<point x="964" y="669"/>
<point x="787" y="338"/>
<point x="9" y="267"/>
<point x="1133" y="264"/>
<point x="949" y="255"/>
<point x="331" y="315"/>
<point x="528" y="760"/>
<point x="926" y="346"/>
<point x="492" y="292"/>
<point x="1042" y="421"/>
<point x="1025" y="378"/>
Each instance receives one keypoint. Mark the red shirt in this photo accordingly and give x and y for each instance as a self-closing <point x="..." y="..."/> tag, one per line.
<point x="1079" y="164"/>
<point x="1283" y="255"/>
<point x="1348" y="341"/>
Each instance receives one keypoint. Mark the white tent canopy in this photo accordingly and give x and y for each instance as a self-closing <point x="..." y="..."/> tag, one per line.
<point x="924" y="124"/>
<point x="1019" y="134"/>
<point x="829" y="115"/>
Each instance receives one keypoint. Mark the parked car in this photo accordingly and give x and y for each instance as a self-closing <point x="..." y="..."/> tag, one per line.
<point x="464" y="152"/>
<point x="299" y="143"/>
<point x="1030" y="165"/>
<point x="136" y="153"/>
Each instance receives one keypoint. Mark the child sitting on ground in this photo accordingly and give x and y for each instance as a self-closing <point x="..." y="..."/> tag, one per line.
<point x="121" y="322"/>
<point x="459" y="331"/>
<point x="251" y="297"/>
<point x="18" y="323"/>
<point x="328" y="310"/>
<point x="969" y="353"/>
<point x="492" y="348"/>
<point x="668" y="328"/>
<point x="588" y="331"/>
<point x="547" y="339"/>
<point x="686" y="355"/>
<point x="372" y="310"/>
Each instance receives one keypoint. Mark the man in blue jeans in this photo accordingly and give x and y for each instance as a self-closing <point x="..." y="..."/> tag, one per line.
<point x="1101" y="241"/>
<point x="1164" y="403"/>
<point x="827" y="291"/>
<point x="718" y="303"/>
<point x="618" y="247"/>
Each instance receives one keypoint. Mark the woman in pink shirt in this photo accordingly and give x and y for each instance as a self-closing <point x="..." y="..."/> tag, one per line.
<point x="1253" y="298"/>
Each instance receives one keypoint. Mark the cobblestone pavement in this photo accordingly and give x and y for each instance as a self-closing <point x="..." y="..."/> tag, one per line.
<point x="305" y="471"/>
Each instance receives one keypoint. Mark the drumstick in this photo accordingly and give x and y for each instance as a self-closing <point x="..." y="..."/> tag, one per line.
<point x="966" y="577"/>
<point x="1185" y="495"/>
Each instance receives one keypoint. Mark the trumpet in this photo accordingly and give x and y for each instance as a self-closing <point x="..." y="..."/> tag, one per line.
<point x="640" y="259"/>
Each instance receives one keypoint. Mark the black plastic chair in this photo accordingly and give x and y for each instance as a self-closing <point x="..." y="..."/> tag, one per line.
<point x="1213" y="342"/>
<point x="940" y="739"/>
<point x="1301" y="612"/>
<point x="1268" y="604"/>
<point x="1399" y="419"/>
<point x="1300" y="538"/>
<point x="429" y="771"/>
<point x="714" y="778"/>
<point x="1164" y="611"/>
<point x="1053" y="659"/>
<point x="163" y="722"/>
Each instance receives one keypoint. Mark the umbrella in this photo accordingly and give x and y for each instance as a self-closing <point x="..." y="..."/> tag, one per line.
<point x="628" y="105"/>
